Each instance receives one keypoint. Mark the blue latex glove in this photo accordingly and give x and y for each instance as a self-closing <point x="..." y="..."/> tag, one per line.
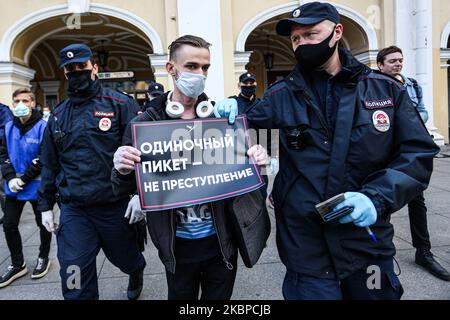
<point x="364" y="213"/>
<point x="227" y="108"/>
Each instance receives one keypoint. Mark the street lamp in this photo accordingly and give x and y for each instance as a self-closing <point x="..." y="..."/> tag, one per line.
<point x="103" y="56"/>
<point x="268" y="57"/>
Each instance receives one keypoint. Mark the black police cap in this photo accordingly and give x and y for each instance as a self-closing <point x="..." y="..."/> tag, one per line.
<point x="155" y="88"/>
<point x="247" y="76"/>
<point x="75" y="53"/>
<point x="308" y="14"/>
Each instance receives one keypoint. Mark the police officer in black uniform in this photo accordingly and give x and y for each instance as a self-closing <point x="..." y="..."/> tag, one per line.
<point x="247" y="97"/>
<point x="154" y="90"/>
<point x="247" y="87"/>
<point x="343" y="129"/>
<point x="77" y="157"/>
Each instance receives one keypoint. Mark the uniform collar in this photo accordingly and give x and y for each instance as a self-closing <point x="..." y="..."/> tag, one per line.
<point x="247" y="99"/>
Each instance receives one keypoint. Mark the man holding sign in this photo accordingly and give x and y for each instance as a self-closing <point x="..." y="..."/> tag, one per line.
<point x="196" y="243"/>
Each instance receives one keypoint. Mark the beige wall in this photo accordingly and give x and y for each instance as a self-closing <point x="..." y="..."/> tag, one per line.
<point x="16" y="10"/>
<point x="441" y="17"/>
<point x="153" y="12"/>
<point x="228" y="43"/>
<point x="241" y="15"/>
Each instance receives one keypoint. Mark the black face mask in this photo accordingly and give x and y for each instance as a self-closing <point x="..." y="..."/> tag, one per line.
<point x="80" y="81"/>
<point x="248" y="91"/>
<point x="81" y="86"/>
<point x="312" y="56"/>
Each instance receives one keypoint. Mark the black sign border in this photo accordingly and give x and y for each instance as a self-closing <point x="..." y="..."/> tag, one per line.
<point x="196" y="201"/>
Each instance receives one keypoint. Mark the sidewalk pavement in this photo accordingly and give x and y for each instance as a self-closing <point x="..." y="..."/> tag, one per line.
<point x="265" y="279"/>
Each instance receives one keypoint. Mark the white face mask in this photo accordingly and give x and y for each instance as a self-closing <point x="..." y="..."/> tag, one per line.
<point x="191" y="84"/>
<point x="21" y="110"/>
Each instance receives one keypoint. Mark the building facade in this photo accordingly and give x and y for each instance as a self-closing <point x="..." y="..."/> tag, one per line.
<point x="130" y="40"/>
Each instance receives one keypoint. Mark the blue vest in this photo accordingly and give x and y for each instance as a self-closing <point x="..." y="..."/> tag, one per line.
<point x="22" y="150"/>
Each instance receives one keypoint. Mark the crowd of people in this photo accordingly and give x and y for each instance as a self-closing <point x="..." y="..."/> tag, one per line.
<point x="344" y="129"/>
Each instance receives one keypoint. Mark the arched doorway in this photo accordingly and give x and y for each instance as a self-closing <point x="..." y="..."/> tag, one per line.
<point x="258" y="37"/>
<point x="118" y="46"/>
<point x="264" y="41"/>
<point x="29" y="48"/>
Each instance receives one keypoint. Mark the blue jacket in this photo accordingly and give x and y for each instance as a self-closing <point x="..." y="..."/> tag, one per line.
<point x="416" y="94"/>
<point x="5" y="116"/>
<point x="19" y="155"/>
<point x="379" y="146"/>
<point x="78" y="149"/>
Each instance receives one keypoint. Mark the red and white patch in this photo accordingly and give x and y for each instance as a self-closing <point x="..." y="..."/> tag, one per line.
<point x="105" y="124"/>
<point x="381" y="121"/>
<point x="104" y="114"/>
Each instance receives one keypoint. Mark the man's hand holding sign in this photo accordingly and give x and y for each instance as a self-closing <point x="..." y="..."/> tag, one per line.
<point x="125" y="159"/>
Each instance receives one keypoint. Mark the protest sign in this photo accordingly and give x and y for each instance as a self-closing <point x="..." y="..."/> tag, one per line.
<point x="189" y="162"/>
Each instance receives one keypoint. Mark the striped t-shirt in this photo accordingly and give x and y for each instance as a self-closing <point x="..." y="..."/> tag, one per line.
<point x="195" y="222"/>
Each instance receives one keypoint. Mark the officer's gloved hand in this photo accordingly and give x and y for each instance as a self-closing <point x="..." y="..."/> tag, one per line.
<point x="125" y="158"/>
<point x="134" y="211"/>
<point x="15" y="185"/>
<point x="259" y="154"/>
<point x="364" y="213"/>
<point x="227" y="108"/>
<point x="48" y="221"/>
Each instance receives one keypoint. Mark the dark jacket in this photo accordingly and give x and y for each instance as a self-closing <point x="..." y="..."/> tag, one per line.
<point x="243" y="103"/>
<point x="390" y="167"/>
<point x="5" y="116"/>
<point x="77" y="151"/>
<point x="162" y="224"/>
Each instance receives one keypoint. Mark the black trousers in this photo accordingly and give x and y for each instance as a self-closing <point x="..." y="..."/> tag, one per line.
<point x="418" y="223"/>
<point x="378" y="283"/>
<point x="82" y="232"/>
<point x="212" y="276"/>
<point x="2" y="194"/>
<point x="13" y="212"/>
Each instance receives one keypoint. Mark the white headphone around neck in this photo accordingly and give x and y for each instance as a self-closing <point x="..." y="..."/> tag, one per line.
<point x="175" y="109"/>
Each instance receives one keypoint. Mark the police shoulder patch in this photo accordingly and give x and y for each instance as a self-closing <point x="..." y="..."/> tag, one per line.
<point x="104" y="114"/>
<point x="379" y="104"/>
